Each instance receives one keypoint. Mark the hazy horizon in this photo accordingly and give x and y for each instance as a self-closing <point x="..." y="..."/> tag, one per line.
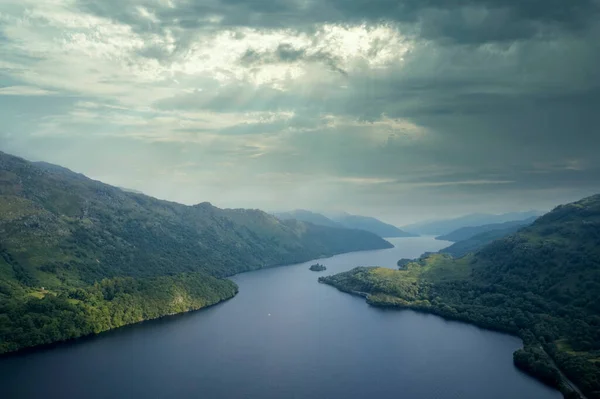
<point x="396" y="219"/>
<point x="400" y="110"/>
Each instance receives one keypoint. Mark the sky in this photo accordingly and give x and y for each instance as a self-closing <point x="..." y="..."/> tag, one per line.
<point x="401" y="109"/>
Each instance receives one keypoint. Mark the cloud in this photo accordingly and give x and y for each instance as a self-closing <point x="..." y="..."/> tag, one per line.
<point x="375" y="105"/>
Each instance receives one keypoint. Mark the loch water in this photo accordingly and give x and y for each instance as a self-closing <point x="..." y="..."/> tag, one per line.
<point x="284" y="336"/>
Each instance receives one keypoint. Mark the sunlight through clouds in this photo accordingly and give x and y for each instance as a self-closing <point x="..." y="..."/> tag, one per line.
<point x="399" y="101"/>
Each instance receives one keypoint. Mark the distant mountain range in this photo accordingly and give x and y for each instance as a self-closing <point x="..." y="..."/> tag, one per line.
<point x="346" y="220"/>
<point x="446" y="226"/>
<point x="464" y="233"/>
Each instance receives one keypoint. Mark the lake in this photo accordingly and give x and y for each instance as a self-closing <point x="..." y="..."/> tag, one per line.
<point x="284" y="336"/>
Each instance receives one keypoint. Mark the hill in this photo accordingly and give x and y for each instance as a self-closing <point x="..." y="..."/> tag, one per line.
<point x="309" y="217"/>
<point x="78" y="256"/>
<point x="371" y="224"/>
<point x="446" y="226"/>
<point x="464" y="233"/>
<point x="541" y="283"/>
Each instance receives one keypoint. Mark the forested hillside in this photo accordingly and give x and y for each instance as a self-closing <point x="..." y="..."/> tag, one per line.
<point x="79" y="256"/>
<point x="541" y="283"/>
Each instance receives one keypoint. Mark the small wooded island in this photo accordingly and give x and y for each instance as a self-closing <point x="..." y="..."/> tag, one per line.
<point x="317" y="267"/>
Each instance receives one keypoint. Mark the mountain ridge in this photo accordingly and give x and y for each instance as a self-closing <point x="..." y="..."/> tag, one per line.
<point x="373" y="225"/>
<point x="346" y="220"/>
<point x="304" y="215"/>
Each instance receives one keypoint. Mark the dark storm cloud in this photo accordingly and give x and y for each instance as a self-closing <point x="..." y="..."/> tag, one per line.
<point x="490" y="118"/>
<point x="463" y="21"/>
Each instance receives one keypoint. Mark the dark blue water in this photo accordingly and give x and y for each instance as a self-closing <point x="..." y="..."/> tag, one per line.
<point x="284" y="336"/>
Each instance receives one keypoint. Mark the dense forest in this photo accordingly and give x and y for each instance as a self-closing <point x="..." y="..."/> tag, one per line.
<point x="33" y="318"/>
<point x="541" y="283"/>
<point x="78" y="256"/>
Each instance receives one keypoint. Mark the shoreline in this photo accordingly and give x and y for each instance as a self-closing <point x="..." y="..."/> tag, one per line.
<point x="28" y="350"/>
<point x="566" y="386"/>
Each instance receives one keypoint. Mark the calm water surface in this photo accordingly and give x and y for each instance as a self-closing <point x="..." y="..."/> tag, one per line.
<point x="284" y="336"/>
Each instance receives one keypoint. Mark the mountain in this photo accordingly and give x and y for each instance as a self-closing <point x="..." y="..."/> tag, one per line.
<point x="473" y="244"/>
<point x="464" y="233"/>
<point x="309" y="217"/>
<point x="370" y="224"/>
<point x="79" y="257"/>
<point x="541" y="283"/>
<point x="446" y="226"/>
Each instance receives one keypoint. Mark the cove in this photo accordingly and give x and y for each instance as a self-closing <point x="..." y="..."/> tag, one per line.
<point x="284" y="336"/>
